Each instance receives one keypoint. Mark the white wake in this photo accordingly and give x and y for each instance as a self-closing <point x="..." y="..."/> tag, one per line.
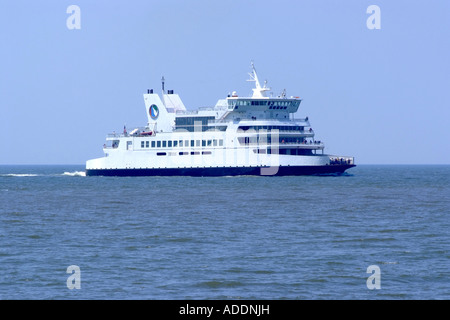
<point x="75" y="174"/>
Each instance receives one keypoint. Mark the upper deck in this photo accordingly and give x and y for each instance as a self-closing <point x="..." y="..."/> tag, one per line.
<point x="167" y="113"/>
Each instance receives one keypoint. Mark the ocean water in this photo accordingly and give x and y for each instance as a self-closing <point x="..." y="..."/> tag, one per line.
<point x="311" y="237"/>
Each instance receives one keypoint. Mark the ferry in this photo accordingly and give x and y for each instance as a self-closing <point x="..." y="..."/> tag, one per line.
<point x="256" y="134"/>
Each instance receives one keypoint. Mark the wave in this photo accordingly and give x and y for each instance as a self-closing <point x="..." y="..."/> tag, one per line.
<point x="67" y="173"/>
<point x="75" y="174"/>
<point x="20" y="175"/>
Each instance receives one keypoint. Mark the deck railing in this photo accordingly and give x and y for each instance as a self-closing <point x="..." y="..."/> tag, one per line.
<point x="338" y="160"/>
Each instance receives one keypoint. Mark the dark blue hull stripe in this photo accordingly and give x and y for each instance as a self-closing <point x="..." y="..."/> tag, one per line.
<point x="223" y="171"/>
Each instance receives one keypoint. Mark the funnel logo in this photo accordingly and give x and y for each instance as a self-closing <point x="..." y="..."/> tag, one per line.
<point x="154" y="112"/>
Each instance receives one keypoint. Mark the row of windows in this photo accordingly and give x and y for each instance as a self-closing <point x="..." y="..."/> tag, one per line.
<point x="280" y="128"/>
<point x="264" y="103"/>
<point x="237" y="107"/>
<point x="292" y="152"/>
<point x="277" y="107"/>
<point x="198" y="128"/>
<point x="181" y="143"/>
<point x="183" y="153"/>
<point x="265" y="140"/>
<point x="190" y="121"/>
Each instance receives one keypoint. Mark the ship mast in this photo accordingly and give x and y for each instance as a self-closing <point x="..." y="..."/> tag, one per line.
<point x="258" y="91"/>
<point x="162" y="84"/>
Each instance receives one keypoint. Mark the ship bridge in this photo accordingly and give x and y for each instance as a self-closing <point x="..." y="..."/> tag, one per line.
<point x="260" y="105"/>
<point x="265" y="104"/>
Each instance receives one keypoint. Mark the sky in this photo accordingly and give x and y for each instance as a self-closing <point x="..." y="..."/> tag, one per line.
<point x="380" y="95"/>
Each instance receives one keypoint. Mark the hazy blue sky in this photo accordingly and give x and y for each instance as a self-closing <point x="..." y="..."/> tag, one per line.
<point x="379" y="95"/>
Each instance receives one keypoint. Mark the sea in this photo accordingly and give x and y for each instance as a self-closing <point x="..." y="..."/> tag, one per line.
<point x="377" y="232"/>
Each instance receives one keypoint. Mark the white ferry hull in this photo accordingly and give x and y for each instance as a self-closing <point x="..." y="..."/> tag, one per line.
<point x="223" y="164"/>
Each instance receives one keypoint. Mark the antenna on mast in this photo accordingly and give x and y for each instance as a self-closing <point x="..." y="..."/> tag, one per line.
<point x="258" y="92"/>
<point x="254" y="76"/>
<point x="162" y="82"/>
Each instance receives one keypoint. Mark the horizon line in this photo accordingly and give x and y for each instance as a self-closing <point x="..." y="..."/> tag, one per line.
<point x="83" y="164"/>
